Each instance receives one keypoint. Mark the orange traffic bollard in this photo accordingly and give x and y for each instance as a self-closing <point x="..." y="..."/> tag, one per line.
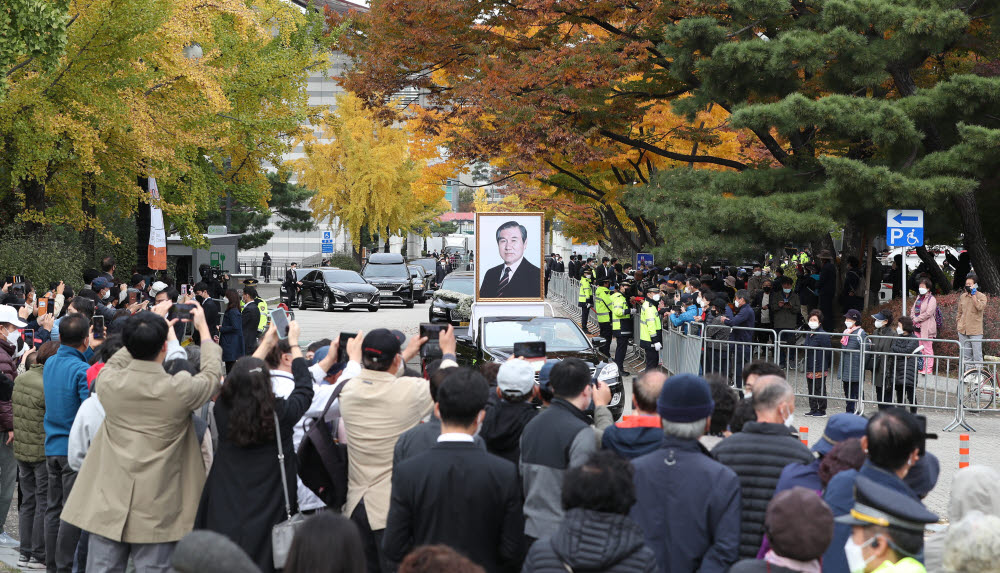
<point x="963" y="451"/>
<point x="804" y="435"/>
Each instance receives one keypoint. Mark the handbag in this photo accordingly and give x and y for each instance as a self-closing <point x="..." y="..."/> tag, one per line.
<point x="283" y="533"/>
<point x="323" y="460"/>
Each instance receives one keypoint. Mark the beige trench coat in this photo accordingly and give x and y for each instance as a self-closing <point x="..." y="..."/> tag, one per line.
<point x="142" y="478"/>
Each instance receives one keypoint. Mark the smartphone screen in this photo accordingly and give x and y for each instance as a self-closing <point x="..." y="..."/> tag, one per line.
<point x="184" y="290"/>
<point x="530" y="350"/>
<point x="29" y="337"/>
<point x="342" y="347"/>
<point x="280" y="319"/>
<point x="432" y="348"/>
<point x="98" y="323"/>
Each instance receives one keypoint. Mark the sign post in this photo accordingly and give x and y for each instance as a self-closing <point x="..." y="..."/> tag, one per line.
<point x="326" y="242"/>
<point x="904" y="228"/>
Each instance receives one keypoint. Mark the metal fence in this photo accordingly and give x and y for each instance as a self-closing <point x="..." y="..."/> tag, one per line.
<point x="834" y="371"/>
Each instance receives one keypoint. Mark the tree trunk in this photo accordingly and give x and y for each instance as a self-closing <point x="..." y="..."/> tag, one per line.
<point x="975" y="240"/>
<point x="34" y="200"/>
<point x="88" y="236"/>
<point x="142" y="221"/>
<point x="937" y="275"/>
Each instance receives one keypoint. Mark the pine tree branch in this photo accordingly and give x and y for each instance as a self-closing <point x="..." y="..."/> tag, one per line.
<point x="710" y="159"/>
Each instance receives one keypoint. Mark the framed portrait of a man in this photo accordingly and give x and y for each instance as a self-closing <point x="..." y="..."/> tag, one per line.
<point x="509" y="259"/>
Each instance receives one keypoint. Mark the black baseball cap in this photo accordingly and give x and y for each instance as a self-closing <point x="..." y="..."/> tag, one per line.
<point x="380" y="345"/>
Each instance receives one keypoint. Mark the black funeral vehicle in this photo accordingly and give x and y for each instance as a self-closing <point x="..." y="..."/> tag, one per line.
<point x="337" y="289"/>
<point x="495" y="338"/>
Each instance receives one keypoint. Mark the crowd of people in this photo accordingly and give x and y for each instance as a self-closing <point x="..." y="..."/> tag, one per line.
<point x="734" y="310"/>
<point x="149" y="439"/>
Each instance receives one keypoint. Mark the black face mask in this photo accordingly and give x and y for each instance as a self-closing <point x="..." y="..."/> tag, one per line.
<point x="767" y="289"/>
<point x="199" y="298"/>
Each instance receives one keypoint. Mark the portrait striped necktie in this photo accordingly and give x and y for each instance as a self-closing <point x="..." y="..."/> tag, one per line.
<point x="503" y="281"/>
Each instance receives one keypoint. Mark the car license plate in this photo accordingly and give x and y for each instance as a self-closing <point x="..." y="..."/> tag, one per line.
<point x="388" y="290"/>
<point x="463" y="324"/>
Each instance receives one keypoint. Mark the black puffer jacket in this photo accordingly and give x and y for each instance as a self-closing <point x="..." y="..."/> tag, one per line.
<point x="757" y="455"/>
<point x="903" y="366"/>
<point x="502" y="428"/>
<point x="592" y="541"/>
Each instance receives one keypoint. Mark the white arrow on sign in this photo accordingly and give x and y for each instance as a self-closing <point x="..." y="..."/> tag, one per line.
<point x="904" y="218"/>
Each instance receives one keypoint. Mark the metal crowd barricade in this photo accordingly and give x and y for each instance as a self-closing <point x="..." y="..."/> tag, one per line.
<point x="727" y="357"/>
<point x="813" y="370"/>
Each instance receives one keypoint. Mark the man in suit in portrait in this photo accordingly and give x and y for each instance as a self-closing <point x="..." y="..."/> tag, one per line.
<point x="516" y="277"/>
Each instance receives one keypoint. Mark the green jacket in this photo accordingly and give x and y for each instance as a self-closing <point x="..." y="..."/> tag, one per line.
<point x="28" y="401"/>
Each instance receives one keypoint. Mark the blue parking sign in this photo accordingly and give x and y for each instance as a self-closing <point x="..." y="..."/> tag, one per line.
<point x="904" y="228"/>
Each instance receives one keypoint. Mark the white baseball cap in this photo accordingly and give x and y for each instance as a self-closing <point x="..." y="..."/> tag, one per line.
<point x="516" y="376"/>
<point x="8" y="314"/>
<point x="157" y="287"/>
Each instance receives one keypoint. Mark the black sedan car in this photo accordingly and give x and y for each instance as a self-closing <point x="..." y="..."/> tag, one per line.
<point x="430" y="270"/>
<point x="563" y="338"/>
<point x="444" y="303"/>
<point x="333" y="289"/>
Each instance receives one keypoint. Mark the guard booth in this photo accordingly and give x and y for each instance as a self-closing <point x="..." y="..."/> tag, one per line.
<point x="221" y="254"/>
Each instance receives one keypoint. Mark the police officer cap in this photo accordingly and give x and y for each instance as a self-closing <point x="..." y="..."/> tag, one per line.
<point x="876" y="504"/>
<point x="250" y="282"/>
<point x="604" y="281"/>
<point x="652" y="290"/>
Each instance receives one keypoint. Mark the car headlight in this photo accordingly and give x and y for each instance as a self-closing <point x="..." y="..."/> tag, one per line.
<point x="609" y="373"/>
<point x="338" y="292"/>
<point x="616" y="399"/>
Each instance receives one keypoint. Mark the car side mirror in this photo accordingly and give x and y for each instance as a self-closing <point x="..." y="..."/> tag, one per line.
<point x="465" y="339"/>
<point x="429" y="292"/>
<point x="598" y="340"/>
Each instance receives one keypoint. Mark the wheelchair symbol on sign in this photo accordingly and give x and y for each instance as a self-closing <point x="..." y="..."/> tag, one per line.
<point x="911" y="238"/>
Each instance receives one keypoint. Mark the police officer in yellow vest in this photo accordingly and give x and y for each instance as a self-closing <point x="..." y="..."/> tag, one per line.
<point x="602" y="306"/>
<point x="649" y="327"/>
<point x="621" y="324"/>
<point x="584" y="299"/>
<point x="887" y="533"/>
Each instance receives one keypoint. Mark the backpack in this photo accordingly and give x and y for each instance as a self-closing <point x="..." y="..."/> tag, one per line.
<point x="323" y="459"/>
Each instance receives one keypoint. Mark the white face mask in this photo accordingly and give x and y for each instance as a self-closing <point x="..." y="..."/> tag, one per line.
<point x="402" y="368"/>
<point x="790" y="420"/>
<point x="856" y="561"/>
<point x="849" y="323"/>
<point x="738" y="304"/>
<point x="899" y="330"/>
<point x="879" y="323"/>
<point x="814" y="325"/>
<point x="12" y="337"/>
<point x="922" y="290"/>
<point x="106" y="295"/>
<point x="701" y="302"/>
<point x="756" y="273"/>
<point x="655" y="297"/>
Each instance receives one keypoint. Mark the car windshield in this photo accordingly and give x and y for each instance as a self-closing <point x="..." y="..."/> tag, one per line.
<point x="464" y="285"/>
<point x="342" y="277"/>
<point x="386" y="271"/>
<point x="429" y="265"/>
<point x="558" y="334"/>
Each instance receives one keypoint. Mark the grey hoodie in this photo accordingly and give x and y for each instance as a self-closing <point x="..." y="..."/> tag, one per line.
<point x="974" y="488"/>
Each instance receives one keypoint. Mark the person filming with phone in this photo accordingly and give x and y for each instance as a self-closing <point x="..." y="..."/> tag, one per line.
<point x="138" y="489"/>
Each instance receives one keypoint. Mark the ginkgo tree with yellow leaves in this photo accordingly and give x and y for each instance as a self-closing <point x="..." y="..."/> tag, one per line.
<point x="371" y="177"/>
<point x="129" y="98"/>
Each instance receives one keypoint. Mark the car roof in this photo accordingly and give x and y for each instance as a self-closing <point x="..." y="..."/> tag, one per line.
<point x="461" y="274"/>
<point x="385" y="258"/>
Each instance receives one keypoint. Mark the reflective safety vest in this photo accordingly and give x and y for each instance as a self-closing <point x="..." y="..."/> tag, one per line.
<point x="602" y="304"/>
<point x="619" y="310"/>
<point x="262" y="307"/>
<point x="904" y="565"/>
<point x="585" y="292"/>
<point x="649" y="322"/>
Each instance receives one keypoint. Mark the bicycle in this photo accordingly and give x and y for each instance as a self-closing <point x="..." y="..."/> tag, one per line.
<point x="980" y="386"/>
